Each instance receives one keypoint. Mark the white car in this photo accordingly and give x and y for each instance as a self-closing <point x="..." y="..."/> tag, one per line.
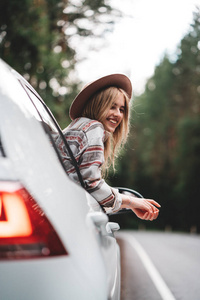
<point x="55" y="240"/>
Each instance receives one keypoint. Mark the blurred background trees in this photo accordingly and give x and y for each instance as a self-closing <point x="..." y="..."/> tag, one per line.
<point x="40" y="38"/>
<point x="162" y="159"/>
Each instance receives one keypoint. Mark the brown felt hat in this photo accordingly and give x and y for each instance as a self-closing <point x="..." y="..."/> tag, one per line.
<point x="116" y="80"/>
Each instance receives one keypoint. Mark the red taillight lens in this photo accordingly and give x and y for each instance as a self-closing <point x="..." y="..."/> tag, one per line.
<point x="25" y="231"/>
<point x="15" y="220"/>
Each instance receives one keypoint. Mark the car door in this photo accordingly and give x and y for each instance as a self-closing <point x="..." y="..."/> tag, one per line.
<point x="104" y="229"/>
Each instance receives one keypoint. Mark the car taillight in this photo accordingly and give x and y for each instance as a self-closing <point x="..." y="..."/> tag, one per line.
<point x="25" y="231"/>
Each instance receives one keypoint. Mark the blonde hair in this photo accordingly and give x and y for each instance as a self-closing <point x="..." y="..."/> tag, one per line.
<point x="97" y="108"/>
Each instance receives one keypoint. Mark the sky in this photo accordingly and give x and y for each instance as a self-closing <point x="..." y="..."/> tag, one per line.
<point x="139" y="42"/>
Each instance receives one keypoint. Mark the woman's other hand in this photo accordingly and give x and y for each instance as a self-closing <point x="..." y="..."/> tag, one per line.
<point x="145" y="209"/>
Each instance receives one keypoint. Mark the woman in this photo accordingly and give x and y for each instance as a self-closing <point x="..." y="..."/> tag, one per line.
<point x="100" y="125"/>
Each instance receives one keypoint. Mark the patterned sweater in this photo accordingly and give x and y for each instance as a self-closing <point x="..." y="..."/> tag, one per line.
<point x="86" y="139"/>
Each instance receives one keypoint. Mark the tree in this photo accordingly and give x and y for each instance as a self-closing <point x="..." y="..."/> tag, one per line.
<point x="36" y="38"/>
<point x="163" y="152"/>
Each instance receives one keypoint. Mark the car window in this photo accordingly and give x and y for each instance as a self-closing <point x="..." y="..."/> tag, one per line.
<point x="51" y="127"/>
<point x="42" y="112"/>
<point x="2" y="153"/>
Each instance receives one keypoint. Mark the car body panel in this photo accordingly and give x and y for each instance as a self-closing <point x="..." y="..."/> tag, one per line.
<point x="91" y="268"/>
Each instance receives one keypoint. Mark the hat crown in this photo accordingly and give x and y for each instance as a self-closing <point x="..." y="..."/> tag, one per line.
<point x="115" y="80"/>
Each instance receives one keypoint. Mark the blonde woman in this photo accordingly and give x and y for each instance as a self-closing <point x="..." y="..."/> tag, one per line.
<point x="99" y="127"/>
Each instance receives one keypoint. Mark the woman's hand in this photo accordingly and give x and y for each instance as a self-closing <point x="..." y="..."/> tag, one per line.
<point x="145" y="209"/>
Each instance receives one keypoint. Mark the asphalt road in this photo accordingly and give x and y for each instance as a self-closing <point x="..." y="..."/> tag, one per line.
<point x="159" y="265"/>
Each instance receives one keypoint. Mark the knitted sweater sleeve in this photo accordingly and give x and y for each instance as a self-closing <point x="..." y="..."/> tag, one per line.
<point x="90" y="164"/>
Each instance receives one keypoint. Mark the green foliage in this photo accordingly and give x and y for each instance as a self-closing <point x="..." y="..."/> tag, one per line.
<point x="39" y="38"/>
<point x="163" y="155"/>
<point x="29" y="40"/>
<point x="36" y="40"/>
<point x="188" y="170"/>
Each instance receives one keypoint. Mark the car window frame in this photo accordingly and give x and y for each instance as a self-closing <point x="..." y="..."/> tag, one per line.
<point x="2" y="152"/>
<point x="25" y="85"/>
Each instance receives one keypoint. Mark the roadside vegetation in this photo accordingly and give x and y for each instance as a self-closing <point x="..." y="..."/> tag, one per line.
<point x="162" y="158"/>
<point x="41" y="39"/>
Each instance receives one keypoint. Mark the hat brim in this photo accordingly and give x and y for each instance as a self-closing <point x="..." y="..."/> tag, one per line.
<point x="117" y="80"/>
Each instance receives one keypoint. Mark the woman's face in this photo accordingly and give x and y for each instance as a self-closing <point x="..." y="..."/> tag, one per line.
<point x="115" y="114"/>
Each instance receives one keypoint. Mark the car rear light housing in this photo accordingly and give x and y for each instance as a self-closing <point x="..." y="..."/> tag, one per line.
<point x="25" y="231"/>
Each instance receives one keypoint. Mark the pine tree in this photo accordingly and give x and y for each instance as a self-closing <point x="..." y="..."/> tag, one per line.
<point x="163" y="151"/>
<point x="36" y="40"/>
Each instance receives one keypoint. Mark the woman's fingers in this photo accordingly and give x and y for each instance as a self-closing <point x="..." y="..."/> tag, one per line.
<point x="152" y="209"/>
<point x="153" y="202"/>
<point x="145" y="209"/>
<point x="151" y="215"/>
<point x="148" y="216"/>
<point x="137" y="202"/>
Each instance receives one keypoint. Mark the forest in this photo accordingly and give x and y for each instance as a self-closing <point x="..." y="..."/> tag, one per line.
<point x="162" y="157"/>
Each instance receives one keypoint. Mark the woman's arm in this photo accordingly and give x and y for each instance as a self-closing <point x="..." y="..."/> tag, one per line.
<point x="145" y="209"/>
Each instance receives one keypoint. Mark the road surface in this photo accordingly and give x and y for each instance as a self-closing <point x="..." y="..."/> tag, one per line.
<point x="159" y="265"/>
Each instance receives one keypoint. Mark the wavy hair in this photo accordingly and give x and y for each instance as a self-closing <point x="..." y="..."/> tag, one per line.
<point x="97" y="109"/>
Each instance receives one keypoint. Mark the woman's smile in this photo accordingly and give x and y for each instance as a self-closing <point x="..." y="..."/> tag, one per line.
<point x="112" y="121"/>
<point x="115" y="114"/>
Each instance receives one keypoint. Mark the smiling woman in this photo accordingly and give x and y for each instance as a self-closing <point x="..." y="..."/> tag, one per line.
<point x="115" y="114"/>
<point x="111" y="107"/>
<point x="100" y="125"/>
